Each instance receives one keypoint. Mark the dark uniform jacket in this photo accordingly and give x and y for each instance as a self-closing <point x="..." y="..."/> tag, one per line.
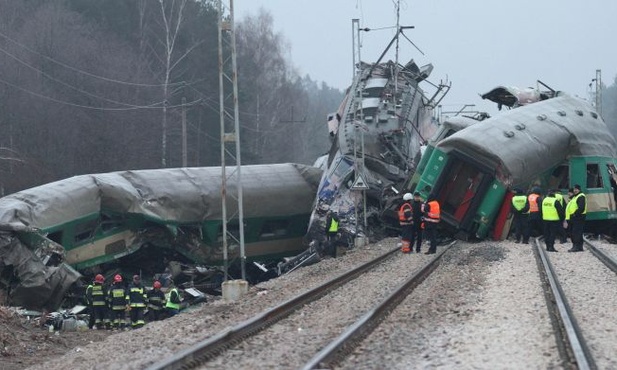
<point x="136" y="296"/>
<point x="156" y="299"/>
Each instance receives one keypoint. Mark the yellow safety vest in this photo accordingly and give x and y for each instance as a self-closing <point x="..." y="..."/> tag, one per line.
<point x="170" y="304"/>
<point x="560" y="198"/>
<point x="333" y="226"/>
<point x="573" y="207"/>
<point x="549" y="212"/>
<point x="518" y="202"/>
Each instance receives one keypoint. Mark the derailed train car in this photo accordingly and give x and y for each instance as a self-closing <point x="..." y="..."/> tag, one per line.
<point x="549" y="139"/>
<point x="49" y="233"/>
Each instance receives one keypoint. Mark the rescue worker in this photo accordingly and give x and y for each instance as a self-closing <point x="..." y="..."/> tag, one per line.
<point x="553" y="216"/>
<point x="136" y="299"/>
<point x="535" y="212"/>
<point x="118" y="303"/>
<point x="156" y="302"/>
<point x="405" y="219"/>
<point x="432" y="217"/>
<point x="172" y="306"/>
<point x="520" y="211"/>
<point x="96" y="298"/>
<point x="418" y="226"/>
<point x="332" y="222"/>
<point x="576" y="212"/>
<point x="561" y="231"/>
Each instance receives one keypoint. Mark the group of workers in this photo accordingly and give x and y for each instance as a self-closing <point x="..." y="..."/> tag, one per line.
<point x="551" y="216"/>
<point x="109" y="305"/>
<point x="417" y="217"/>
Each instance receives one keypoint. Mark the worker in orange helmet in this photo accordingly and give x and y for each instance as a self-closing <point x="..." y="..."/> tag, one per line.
<point x="156" y="302"/>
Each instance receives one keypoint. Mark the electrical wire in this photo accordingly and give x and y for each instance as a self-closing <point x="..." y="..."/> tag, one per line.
<point x="82" y="71"/>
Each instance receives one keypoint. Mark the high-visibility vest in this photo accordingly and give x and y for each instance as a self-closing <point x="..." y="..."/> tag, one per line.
<point x="573" y="206"/>
<point x="549" y="212"/>
<point x="434" y="213"/>
<point x="533" y="203"/>
<point x="560" y="199"/>
<point x="402" y="219"/>
<point x="170" y="304"/>
<point x="333" y="225"/>
<point x="518" y="202"/>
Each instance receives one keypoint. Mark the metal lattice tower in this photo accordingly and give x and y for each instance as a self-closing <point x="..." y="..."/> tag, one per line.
<point x="599" y="91"/>
<point x="230" y="135"/>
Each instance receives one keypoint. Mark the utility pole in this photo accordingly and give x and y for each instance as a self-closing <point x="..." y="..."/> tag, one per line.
<point x="184" y="149"/>
<point x="228" y="44"/>
<point x="599" y="91"/>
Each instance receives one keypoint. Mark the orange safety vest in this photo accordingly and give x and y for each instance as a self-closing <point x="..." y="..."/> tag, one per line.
<point x="434" y="214"/>
<point x="401" y="214"/>
<point x="533" y="203"/>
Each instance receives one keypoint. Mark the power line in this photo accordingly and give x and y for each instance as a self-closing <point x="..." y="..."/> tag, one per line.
<point x="82" y="71"/>
<point x="42" y="96"/>
<point x="69" y="85"/>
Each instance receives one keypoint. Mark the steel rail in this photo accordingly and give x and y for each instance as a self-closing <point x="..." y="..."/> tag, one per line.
<point x="605" y="258"/>
<point x="212" y="346"/>
<point x="363" y="326"/>
<point x="575" y="340"/>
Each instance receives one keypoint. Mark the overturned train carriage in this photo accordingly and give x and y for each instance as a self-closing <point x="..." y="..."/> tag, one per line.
<point x="555" y="141"/>
<point x="49" y="232"/>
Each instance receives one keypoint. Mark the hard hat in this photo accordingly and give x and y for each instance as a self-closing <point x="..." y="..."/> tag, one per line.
<point x="407" y="196"/>
<point x="117" y="278"/>
<point x="99" y="279"/>
<point x="157" y="284"/>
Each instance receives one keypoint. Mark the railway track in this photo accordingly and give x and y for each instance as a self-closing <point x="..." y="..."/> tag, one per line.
<point x="213" y="346"/>
<point x="260" y="327"/>
<point x="343" y="344"/>
<point x="568" y="292"/>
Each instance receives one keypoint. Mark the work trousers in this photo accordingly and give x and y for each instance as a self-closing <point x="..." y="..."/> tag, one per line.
<point x="100" y="315"/>
<point x="155" y="315"/>
<point x="137" y="317"/>
<point x="535" y="225"/>
<point x="550" y="232"/>
<point x="577" y="233"/>
<point x="430" y="230"/>
<point x="521" y="227"/>
<point x="416" y="235"/>
<point x="117" y="318"/>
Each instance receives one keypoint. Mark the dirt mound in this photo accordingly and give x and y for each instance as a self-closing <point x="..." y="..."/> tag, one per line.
<point x="24" y="343"/>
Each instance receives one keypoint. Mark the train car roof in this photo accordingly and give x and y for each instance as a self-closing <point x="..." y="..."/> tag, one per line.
<point x="178" y="195"/>
<point x="525" y="141"/>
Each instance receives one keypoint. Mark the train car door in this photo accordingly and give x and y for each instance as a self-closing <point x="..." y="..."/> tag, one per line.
<point x="457" y="195"/>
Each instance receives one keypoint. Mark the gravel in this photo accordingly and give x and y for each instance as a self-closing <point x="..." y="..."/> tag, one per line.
<point x="157" y="340"/>
<point x="483" y="308"/>
<point x="605" y="246"/>
<point x="290" y="343"/>
<point x="591" y="290"/>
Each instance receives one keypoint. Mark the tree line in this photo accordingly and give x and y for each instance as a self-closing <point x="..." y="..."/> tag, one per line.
<point x="91" y="86"/>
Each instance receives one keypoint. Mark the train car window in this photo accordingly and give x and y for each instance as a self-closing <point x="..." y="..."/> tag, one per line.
<point x="232" y="228"/>
<point x="56" y="236"/>
<point x="594" y="178"/>
<point x="560" y="178"/>
<point x="85" y="230"/>
<point x="108" y="223"/>
<point x="274" y="228"/>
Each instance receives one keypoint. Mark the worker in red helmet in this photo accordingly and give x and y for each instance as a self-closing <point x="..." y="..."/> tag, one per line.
<point x="137" y="299"/>
<point x="156" y="302"/>
<point x="118" y="303"/>
<point x="96" y="299"/>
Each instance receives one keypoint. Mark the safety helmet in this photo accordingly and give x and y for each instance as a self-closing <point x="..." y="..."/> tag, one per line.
<point x="407" y="196"/>
<point x="157" y="284"/>
<point x="117" y="278"/>
<point x="99" y="279"/>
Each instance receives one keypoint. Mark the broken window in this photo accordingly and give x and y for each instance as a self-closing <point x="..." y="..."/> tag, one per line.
<point x="274" y="228"/>
<point x="108" y="223"/>
<point x="594" y="179"/>
<point x="233" y="228"/>
<point x="56" y="236"/>
<point x="85" y="231"/>
<point x="560" y="178"/>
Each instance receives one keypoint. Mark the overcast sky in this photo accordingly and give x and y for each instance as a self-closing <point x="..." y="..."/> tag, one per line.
<point x="476" y="44"/>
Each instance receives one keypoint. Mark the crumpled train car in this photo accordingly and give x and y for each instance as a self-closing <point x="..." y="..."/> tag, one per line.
<point x="49" y="232"/>
<point x="549" y="139"/>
